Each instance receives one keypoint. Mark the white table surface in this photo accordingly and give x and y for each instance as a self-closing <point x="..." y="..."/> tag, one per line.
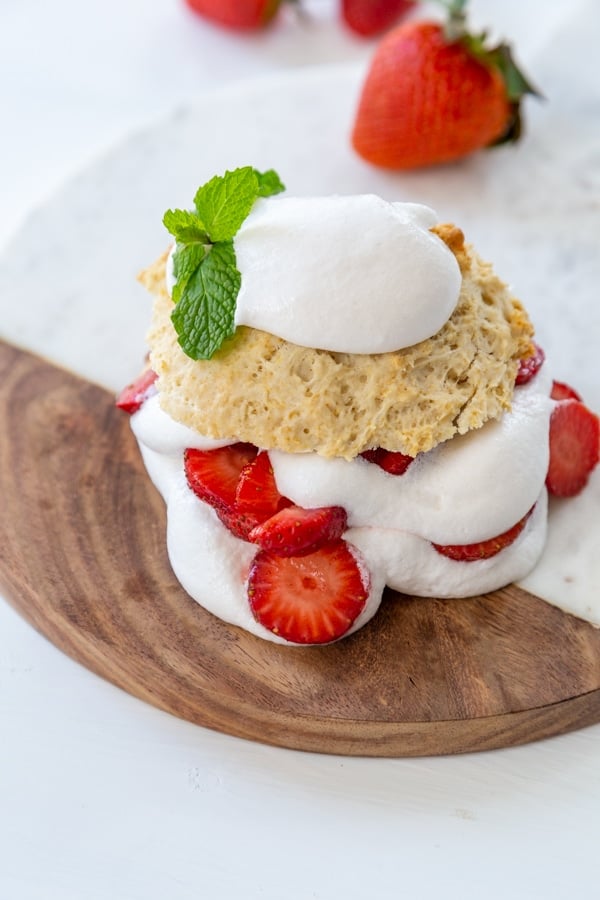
<point x="102" y="796"/>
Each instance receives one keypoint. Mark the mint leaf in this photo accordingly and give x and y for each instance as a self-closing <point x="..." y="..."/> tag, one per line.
<point x="207" y="282"/>
<point x="186" y="260"/>
<point x="224" y="202"/>
<point x="269" y="183"/>
<point x="184" y="225"/>
<point x="204" y="314"/>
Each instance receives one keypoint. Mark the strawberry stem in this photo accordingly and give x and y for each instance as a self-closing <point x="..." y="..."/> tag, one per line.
<point x="455" y="25"/>
<point x="454" y="7"/>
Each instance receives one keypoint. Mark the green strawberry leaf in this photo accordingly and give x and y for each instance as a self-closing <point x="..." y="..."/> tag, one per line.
<point x="516" y="82"/>
<point x="204" y="313"/>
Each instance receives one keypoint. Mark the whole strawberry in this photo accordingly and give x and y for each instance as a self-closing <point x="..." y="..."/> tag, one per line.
<point x="370" y="17"/>
<point x="236" y="14"/>
<point x="436" y="93"/>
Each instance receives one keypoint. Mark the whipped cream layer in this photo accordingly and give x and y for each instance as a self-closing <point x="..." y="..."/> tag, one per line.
<point x="467" y="490"/>
<point x="349" y="274"/>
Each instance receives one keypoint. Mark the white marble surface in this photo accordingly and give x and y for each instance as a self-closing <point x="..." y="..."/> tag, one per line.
<point x="100" y="795"/>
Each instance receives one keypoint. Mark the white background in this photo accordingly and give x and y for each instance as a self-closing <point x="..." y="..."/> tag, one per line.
<point x="104" y="797"/>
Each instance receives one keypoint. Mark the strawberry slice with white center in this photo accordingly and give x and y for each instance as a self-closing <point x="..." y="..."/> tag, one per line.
<point x="213" y="475"/>
<point x="574" y="448"/>
<point x="295" y="531"/>
<point x="133" y="396"/>
<point x="311" y="599"/>
<point x="483" y="549"/>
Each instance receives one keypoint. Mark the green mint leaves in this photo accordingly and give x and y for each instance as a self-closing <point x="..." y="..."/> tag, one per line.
<point x="204" y="265"/>
<point x="204" y="312"/>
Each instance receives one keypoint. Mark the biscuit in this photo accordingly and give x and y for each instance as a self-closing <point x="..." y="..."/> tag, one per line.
<point x="272" y="393"/>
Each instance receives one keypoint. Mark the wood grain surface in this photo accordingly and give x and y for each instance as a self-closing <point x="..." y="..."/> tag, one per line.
<point x="83" y="558"/>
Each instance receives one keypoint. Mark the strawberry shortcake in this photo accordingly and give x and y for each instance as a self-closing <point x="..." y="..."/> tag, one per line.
<point x="342" y="396"/>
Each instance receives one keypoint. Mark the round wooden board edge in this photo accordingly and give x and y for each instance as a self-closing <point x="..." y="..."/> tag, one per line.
<point x="343" y="736"/>
<point x="292" y="730"/>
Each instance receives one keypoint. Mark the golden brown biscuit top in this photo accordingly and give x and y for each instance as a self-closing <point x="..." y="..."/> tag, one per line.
<point x="275" y="394"/>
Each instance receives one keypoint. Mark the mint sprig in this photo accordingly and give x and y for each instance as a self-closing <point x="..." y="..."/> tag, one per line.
<point x="207" y="281"/>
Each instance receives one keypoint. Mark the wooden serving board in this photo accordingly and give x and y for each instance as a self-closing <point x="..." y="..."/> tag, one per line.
<point x="83" y="558"/>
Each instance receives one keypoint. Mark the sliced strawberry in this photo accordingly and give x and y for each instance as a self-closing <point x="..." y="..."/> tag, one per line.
<point x="530" y="365"/>
<point x="132" y="397"/>
<point x="238" y="482"/>
<point x="574" y="448"/>
<point x="562" y="391"/>
<point x="295" y="531"/>
<point x="213" y="475"/>
<point x="483" y="549"/>
<point x="388" y="460"/>
<point x="257" y="491"/>
<point x="310" y="599"/>
<point x="239" y="523"/>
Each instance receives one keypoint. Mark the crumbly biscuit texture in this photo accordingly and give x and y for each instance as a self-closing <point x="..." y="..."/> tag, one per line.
<point x="274" y="394"/>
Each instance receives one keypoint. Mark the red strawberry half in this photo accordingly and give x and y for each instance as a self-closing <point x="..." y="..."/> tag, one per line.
<point x="574" y="448"/>
<point x="132" y="397"/>
<point x="392" y="462"/>
<point x="213" y="475"/>
<point x="530" y="366"/>
<point x="310" y="599"/>
<point x="562" y="391"/>
<point x="483" y="549"/>
<point x="295" y="531"/>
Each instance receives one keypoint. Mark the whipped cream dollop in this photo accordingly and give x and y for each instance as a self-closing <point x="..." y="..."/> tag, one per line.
<point x="349" y="274"/>
<point x="466" y="490"/>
